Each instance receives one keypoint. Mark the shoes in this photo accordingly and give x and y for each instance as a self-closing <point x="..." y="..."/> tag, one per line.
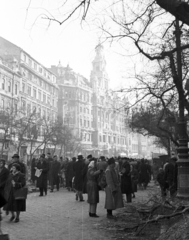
<point x="82" y="200"/>
<point x="110" y="216"/>
<point x="16" y="220"/>
<point x="51" y="190"/>
<point x="90" y="214"/>
<point x="94" y="215"/>
<point x="76" y="197"/>
<point x="41" y="195"/>
<point x="12" y="218"/>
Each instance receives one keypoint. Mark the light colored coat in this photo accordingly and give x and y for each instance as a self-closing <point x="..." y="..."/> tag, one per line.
<point x="114" y="198"/>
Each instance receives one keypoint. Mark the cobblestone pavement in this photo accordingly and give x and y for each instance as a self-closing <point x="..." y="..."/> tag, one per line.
<point x="57" y="216"/>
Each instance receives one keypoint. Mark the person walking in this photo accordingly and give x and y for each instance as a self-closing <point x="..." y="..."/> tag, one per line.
<point x="15" y="181"/>
<point x="42" y="168"/>
<point x="143" y="174"/>
<point x="4" y="174"/>
<point x="92" y="188"/>
<point x="126" y="184"/>
<point x="70" y="173"/>
<point x="134" y="179"/>
<point x="114" y="198"/>
<point x="171" y="176"/>
<point x="79" y="167"/>
<point x="54" y="174"/>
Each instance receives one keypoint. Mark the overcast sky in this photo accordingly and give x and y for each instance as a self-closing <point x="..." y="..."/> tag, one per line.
<point x="73" y="43"/>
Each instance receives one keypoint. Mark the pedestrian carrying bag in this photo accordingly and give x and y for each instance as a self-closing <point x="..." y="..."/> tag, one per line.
<point x="21" y="193"/>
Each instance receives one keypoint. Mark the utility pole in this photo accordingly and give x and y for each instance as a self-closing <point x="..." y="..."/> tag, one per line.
<point x="182" y="150"/>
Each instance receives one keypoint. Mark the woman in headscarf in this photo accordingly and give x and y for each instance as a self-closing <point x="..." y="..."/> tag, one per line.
<point x="15" y="181"/>
<point x="114" y="198"/>
<point x="92" y="188"/>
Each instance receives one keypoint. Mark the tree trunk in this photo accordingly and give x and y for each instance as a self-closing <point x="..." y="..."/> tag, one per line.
<point x="177" y="8"/>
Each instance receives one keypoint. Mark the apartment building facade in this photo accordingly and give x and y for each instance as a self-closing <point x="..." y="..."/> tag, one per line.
<point x="27" y="85"/>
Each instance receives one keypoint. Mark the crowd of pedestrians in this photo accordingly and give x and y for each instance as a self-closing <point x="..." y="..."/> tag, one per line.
<point x="118" y="177"/>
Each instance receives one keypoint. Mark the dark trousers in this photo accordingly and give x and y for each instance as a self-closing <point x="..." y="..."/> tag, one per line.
<point x="109" y="212"/>
<point x="129" y="197"/>
<point x="41" y="190"/>
<point x="57" y="186"/>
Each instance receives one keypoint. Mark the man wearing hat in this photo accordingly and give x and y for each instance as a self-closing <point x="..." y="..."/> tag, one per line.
<point x="15" y="159"/>
<point x="89" y="157"/>
<point x="79" y="171"/>
<point x="102" y="164"/>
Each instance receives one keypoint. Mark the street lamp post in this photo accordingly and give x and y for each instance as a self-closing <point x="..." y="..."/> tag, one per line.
<point x="182" y="150"/>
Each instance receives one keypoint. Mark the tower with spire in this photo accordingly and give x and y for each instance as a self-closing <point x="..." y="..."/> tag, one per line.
<point x="99" y="78"/>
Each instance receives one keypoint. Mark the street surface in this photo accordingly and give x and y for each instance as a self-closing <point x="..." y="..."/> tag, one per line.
<point x="57" y="216"/>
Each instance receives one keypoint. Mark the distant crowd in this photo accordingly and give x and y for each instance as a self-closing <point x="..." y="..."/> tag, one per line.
<point x="118" y="177"/>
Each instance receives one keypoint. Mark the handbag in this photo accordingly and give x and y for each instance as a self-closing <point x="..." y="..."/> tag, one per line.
<point x="21" y="193"/>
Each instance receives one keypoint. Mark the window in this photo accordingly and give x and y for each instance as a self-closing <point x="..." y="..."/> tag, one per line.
<point x="23" y="87"/>
<point x="24" y="105"/>
<point x="2" y="103"/>
<point x="35" y="66"/>
<point x="44" y="114"/>
<point x="16" y="89"/>
<point x="28" y="108"/>
<point x="34" y="109"/>
<point x="29" y="90"/>
<point x="40" y="70"/>
<point x="15" y="107"/>
<point x="34" y="93"/>
<point x="39" y="95"/>
<point x="3" y="83"/>
<point x="9" y="86"/>
<point x="48" y="99"/>
<point x="29" y="76"/>
<point x="44" y="97"/>
<point x="30" y="62"/>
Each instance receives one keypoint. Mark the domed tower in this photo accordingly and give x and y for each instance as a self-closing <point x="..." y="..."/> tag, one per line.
<point x="99" y="78"/>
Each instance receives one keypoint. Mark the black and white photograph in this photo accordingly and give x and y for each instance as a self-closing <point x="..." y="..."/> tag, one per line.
<point x="94" y="113"/>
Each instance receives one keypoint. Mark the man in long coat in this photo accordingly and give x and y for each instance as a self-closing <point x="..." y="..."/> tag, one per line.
<point x="171" y="176"/>
<point x="70" y="173"/>
<point x="4" y="174"/>
<point x="126" y="183"/>
<point x="79" y="167"/>
<point x="43" y="166"/>
<point x="54" y="173"/>
<point x="144" y="174"/>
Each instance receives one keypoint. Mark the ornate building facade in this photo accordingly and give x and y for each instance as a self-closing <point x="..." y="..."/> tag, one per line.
<point x="27" y="85"/>
<point x="92" y="110"/>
